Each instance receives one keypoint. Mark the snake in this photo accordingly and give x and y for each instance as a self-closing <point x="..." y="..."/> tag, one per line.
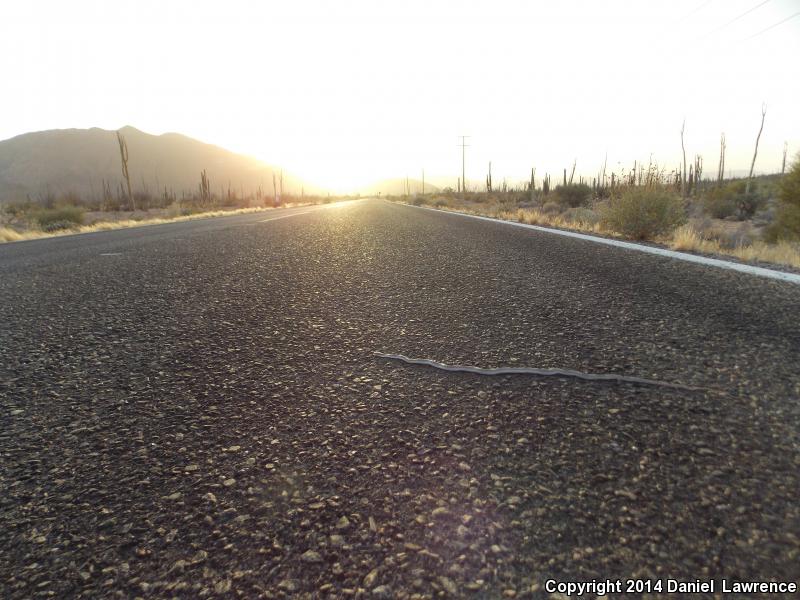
<point x="614" y="377"/>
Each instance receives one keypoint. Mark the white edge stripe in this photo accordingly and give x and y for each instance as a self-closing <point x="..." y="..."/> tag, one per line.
<point x="297" y="214"/>
<point x="711" y="262"/>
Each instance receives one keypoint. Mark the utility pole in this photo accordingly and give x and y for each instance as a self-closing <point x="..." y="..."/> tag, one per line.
<point x="463" y="146"/>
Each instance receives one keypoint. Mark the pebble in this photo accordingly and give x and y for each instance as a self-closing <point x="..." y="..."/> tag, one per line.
<point x="448" y="585"/>
<point x="311" y="556"/>
<point x="343" y="523"/>
<point x="369" y="579"/>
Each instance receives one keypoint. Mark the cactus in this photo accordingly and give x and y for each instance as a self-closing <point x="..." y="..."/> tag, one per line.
<point x="532" y="185"/>
<point x="205" y="188"/>
<point x="123" y="153"/>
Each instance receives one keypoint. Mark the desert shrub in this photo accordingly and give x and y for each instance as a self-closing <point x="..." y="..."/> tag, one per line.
<point x="143" y="200"/>
<point x="418" y="201"/>
<point x="440" y="202"/>
<point x="740" y="238"/>
<point x="502" y="204"/>
<point x="582" y="215"/>
<point x="733" y="199"/>
<point x="787" y="217"/>
<point x="729" y="239"/>
<point x="573" y="195"/>
<point x="719" y="204"/>
<point x="18" y="209"/>
<point x="551" y="208"/>
<point x="748" y="205"/>
<point x="644" y="214"/>
<point x="62" y="217"/>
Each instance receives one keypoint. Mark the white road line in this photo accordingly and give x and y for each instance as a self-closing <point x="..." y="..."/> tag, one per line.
<point x="702" y="260"/>
<point x="111" y="254"/>
<point x="285" y="216"/>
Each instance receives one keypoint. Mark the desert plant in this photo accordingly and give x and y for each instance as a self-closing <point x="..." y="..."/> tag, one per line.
<point x="721" y="168"/>
<point x="551" y="208"/>
<point x="755" y="152"/>
<point x="123" y="155"/>
<point x="53" y="219"/>
<point x="582" y="215"/>
<point x="643" y="214"/>
<point x="573" y="195"/>
<point x="719" y="203"/>
<point x="787" y="217"/>
<point x="733" y="199"/>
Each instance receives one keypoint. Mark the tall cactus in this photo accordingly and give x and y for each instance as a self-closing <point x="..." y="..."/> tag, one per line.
<point x="205" y="188"/>
<point x="532" y="186"/>
<point x="698" y="172"/>
<point x="123" y="154"/>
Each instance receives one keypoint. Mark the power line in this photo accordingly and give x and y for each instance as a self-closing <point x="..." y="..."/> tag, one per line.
<point x="772" y="26"/>
<point x="693" y="11"/>
<point x="732" y="21"/>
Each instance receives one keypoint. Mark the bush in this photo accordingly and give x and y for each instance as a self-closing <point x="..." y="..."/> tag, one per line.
<point x="585" y="216"/>
<point x="573" y="195"/>
<point x="643" y="214"/>
<point x="17" y="209"/>
<point x="719" y="204"/>
<point x="63" y="217"/>
<point x="733" y="199"/>
<point x="787" y="217"/>
<point x="551" y="208"/>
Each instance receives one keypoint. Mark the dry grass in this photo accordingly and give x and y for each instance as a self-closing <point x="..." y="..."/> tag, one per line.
<point x="10" y="235"/>
<point x="685" y="238"/>
<point x="537" y="217"/>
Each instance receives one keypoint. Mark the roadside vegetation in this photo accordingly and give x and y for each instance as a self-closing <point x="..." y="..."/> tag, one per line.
<point x="751" y="219"/>
<point x="48" y="214"/>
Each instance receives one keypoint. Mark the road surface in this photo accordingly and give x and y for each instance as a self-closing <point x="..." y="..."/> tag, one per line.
<point x="195" y="410"/>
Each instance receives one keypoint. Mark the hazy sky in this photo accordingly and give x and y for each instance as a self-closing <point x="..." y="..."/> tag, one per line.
<point x="347" y="92"/>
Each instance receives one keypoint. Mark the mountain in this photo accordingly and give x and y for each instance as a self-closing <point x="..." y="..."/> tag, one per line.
<point x="397" y="187"/>
<point x="76" y="161"/>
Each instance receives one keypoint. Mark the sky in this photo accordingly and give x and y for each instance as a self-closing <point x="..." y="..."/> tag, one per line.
<point x="348" y="92"/>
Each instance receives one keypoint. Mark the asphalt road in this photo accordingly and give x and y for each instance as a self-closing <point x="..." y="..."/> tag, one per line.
<point x="194" y="410"/>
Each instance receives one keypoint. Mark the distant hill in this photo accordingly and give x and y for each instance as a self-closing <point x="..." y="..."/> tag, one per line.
<point x="397" y="187"/>
<point x="77" y="161"/>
